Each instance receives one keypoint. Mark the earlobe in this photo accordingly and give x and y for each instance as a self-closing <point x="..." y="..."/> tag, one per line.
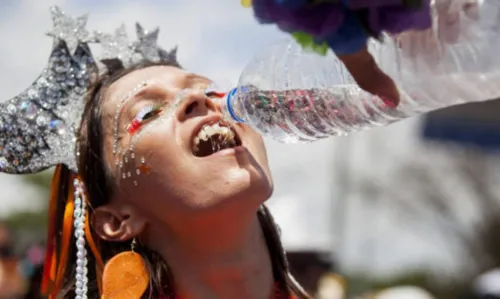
<point x="118" y="225"/>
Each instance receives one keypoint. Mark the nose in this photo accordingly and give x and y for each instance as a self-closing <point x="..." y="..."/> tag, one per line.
<point x="194" y="103"/>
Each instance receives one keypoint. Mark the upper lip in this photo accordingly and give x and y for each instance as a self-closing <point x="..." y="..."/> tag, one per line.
<point x="207" y="121"/>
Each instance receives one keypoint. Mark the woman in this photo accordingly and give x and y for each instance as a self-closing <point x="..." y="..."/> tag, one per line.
<point x="163" y="198"/>
<point x="196" y="213"/>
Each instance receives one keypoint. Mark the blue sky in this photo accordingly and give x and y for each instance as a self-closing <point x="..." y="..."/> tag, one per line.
<point x="217" y="38"/>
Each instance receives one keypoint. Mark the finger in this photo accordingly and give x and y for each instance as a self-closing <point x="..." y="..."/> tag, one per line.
<point x="471" y="9"/>
<point x="449" y="24"/>
<point x="370" y="77"/>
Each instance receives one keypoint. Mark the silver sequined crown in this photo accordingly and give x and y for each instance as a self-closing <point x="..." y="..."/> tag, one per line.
<point x="37" y="127"/>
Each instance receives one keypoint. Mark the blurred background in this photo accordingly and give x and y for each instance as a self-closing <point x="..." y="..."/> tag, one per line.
<point x="407" y="211"/>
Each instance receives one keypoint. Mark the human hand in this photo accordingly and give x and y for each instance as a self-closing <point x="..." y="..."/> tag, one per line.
<point x="452" y="19"/>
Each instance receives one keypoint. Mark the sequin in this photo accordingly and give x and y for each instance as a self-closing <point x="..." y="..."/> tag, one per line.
<point x="28" y="109"/>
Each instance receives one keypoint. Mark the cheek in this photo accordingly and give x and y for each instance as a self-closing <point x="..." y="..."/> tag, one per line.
<point x="138" y="159"/>
<point x="255" y="144"/>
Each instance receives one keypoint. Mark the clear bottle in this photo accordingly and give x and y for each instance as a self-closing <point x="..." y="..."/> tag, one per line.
<point x="296" y="96"/>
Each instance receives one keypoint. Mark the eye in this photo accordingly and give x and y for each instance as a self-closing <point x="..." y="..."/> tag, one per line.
<point x="212" y="93"/>
<point x="215" y="94"/>
<point x="144" y="114"/>
<point x="148" y="112"/>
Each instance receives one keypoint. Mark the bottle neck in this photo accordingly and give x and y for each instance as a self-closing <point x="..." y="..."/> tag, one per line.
<point x="232" y="108"/>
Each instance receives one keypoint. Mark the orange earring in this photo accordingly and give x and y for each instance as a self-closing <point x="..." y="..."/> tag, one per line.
<point x="125" y="276"/>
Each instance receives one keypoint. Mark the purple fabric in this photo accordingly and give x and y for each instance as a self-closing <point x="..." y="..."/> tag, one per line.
<point x="324" y="19"/>
<point x="357" y="4"/>
<point x="318" y="20"/>
<point x="397" y="19"/>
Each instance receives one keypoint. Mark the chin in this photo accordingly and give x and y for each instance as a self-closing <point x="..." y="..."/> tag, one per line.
<point x="241" y="189"/>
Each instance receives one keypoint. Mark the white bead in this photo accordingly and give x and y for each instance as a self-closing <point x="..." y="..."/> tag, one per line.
<point x="81" y="254"/>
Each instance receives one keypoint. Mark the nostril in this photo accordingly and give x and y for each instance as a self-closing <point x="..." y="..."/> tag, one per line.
<point x="191" y="107"/>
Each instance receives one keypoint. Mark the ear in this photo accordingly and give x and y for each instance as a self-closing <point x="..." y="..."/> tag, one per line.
<point x="112" y="223"/>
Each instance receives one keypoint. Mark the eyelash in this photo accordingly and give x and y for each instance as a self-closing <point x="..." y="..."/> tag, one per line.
<point x="213" y="93"/>
<point x="144" y="114"/>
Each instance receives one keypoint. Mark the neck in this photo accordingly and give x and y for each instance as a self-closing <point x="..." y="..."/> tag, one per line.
<point x="228" y="260"/>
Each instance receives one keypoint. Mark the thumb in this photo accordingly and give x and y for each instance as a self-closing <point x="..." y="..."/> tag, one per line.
<point x="370" y="77"/>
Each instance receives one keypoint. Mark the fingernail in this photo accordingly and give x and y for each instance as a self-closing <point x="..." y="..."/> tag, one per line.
<point x="389" y="102"/>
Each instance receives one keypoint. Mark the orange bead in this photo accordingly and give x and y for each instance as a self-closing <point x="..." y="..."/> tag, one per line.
<point x="125" y="276"/>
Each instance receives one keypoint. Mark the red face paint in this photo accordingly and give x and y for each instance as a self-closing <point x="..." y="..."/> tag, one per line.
<point x="133" y="126"/>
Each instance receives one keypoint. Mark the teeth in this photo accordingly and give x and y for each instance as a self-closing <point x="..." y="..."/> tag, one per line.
<point x="209" y="130"/>
<point x="202" y="135"/>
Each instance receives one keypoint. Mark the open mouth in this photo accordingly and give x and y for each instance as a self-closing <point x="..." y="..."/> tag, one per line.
<point x="214" y="137"/>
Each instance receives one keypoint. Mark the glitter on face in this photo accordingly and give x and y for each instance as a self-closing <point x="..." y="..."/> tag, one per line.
<point x="128" y="171"/>
<point x="122" y="102"/>
<point x="123" y="156"/>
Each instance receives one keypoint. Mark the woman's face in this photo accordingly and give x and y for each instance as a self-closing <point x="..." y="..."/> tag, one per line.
<point x="170" y="153"/>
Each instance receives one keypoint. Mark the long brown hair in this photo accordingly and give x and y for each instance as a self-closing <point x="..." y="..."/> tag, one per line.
<point x="99" y="188"/>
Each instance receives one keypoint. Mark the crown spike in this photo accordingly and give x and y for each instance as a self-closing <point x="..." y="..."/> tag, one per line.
<point x="147" y="44"/>
<point x="71" y="31"/>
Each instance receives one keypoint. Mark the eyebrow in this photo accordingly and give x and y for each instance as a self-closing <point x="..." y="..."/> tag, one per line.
<point x="149" y="91"/>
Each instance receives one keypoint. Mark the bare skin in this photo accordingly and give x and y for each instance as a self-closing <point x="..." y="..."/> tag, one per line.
<point x="451" y="15"/>
<point x="198" y="213"/>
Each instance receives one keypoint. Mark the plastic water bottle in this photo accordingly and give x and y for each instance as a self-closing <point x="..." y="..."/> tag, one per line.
<point x="296" y="96"/>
